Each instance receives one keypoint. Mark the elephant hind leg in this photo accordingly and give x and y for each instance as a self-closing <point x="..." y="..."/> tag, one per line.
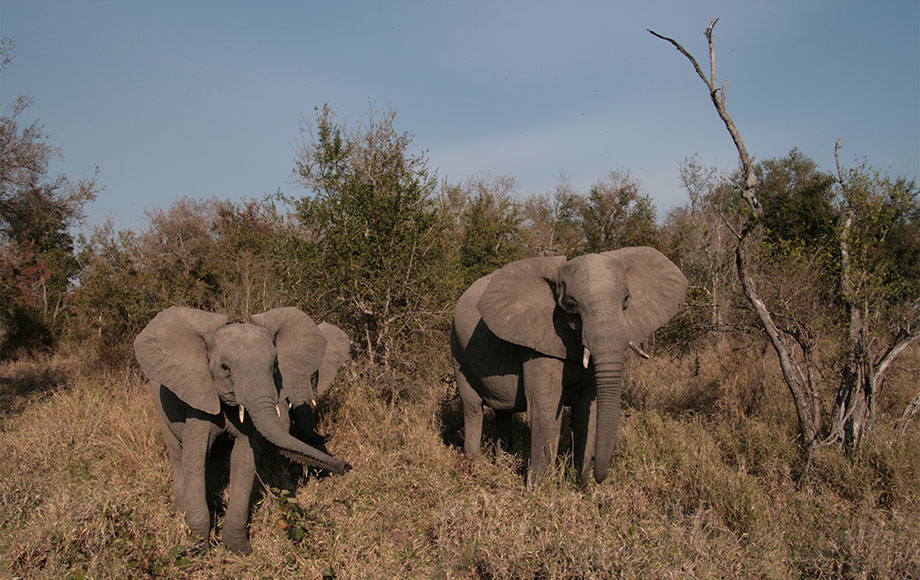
<point x="472" y="412"/>
<point x="503" y="423"/>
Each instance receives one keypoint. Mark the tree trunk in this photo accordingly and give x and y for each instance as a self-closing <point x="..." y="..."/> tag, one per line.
<point x="804" y="392"/>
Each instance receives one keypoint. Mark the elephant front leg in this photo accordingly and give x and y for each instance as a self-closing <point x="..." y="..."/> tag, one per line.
<point x="196" y="442"/>
<point x="584" y="432"/>
<point x="543" y="389"/>
<point x="242" y="475"/>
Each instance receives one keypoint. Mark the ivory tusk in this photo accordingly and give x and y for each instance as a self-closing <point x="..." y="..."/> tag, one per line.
<point x="242" y="413"/>
<point x="278" y="410"/>
<point x="586" y="358"/>
<point x="312" y="403"/>
<point x="639" y="351"/>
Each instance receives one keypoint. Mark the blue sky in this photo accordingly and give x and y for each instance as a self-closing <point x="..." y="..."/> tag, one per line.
<point x="202" y="99"/>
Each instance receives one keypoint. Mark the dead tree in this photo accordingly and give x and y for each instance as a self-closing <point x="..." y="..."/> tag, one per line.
<point x="797" y="366"/>
<point x="863" y="368"/>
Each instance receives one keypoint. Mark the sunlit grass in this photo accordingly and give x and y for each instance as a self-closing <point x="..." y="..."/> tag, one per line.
<point x="695" y="491"/>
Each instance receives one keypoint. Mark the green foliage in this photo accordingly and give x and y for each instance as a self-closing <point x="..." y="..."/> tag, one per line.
<point x="489" y="222"/>
<point x="371" y="233"/>
<point x="37" y="211"/>
<point x="617" y="214"/>
<point x="884" y="238"/>
<point x="798" y="202"/>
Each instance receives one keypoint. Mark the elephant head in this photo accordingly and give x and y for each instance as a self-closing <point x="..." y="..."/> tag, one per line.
<point x="205" y="361"/>
<point x="589" y="308"/>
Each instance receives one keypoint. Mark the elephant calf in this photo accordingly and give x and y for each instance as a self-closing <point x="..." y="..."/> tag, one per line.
<point x="205" y="374"/>
<point x="544" y="333"/>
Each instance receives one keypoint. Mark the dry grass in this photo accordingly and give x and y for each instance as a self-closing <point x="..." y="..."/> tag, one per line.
<point x="702" y="486"/>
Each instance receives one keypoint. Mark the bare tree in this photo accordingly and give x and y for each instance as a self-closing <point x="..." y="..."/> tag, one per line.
<point x="882" y="322"/>
<point x="794" y="349"/>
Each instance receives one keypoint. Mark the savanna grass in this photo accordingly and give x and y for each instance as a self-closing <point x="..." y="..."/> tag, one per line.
<point x="699" y="491"/>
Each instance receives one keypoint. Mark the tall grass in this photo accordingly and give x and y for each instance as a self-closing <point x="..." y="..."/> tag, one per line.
<point x="703" y="485"/>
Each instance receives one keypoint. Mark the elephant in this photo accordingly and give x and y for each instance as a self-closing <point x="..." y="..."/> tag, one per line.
<point x="205" y="372"/>
<point x="546" y="332"/>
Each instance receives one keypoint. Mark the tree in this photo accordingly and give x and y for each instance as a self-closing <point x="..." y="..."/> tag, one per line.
<point x="869" y="209"/>
<point x="617" y="214"/>
<point x="880" y="290"/>
<point x="553" y="223"/>
<point x="797" y="372"/>
<point x="699" y="240"/>
<point x="371" y="230"/>
<point x="489" y="224"/>
<point x="37" y="211"/>
<point x="798" y="201"/>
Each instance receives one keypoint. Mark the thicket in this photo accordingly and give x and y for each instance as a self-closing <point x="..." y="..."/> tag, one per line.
<point x="376" y="244"/>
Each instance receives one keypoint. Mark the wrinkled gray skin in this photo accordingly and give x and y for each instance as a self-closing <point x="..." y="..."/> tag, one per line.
<point x="519" y="340"/>
<point x="211" y="377"/>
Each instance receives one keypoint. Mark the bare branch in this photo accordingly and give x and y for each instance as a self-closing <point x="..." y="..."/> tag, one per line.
<point x="749" y="189"/>
<point x="837" y="161"/>
<point x="712" y="52"/>
<point x="684" y="52"/>
<point x="729" y="225"/>
<point x="912" y="409"/>
<point x="903" y="340"/>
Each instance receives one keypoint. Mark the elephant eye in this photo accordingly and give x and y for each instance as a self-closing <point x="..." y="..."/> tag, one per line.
<point x="570" y="306"/>
<point x="626" y="300"/>
<point x="224" y="367"/>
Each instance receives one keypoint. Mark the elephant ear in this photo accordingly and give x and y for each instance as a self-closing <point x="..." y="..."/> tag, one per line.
<point x="656" y="287"/>
<point x="519" y="306"/>
<point x="300" y="345"/>
<point x="172" y="351"/>
<point x="337" y="347"/>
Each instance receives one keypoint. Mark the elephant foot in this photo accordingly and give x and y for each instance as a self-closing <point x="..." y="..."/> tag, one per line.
<point x="201" y="546"/>
<point x="584" y="480"/>
<point x="238" y="544"/>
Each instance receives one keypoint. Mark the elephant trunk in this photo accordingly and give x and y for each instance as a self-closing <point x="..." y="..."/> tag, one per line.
<point x="603" y="335"/>
<point x="265" y="418"/>
<point x="608" y="374"/>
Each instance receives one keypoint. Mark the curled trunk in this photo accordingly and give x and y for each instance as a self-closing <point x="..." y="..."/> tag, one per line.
<point x="266" y="420"/>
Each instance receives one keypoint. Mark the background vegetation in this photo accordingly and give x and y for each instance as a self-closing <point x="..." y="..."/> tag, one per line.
<point x="709" y="476"/>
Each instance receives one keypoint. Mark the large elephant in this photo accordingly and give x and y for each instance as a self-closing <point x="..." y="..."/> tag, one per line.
<point x="543" y="333"/>
<point x="206" y="372"/>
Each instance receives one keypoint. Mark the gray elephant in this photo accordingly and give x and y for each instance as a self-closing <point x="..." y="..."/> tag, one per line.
<point x="543" y="333"/>
<point x="206" y="372"/>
